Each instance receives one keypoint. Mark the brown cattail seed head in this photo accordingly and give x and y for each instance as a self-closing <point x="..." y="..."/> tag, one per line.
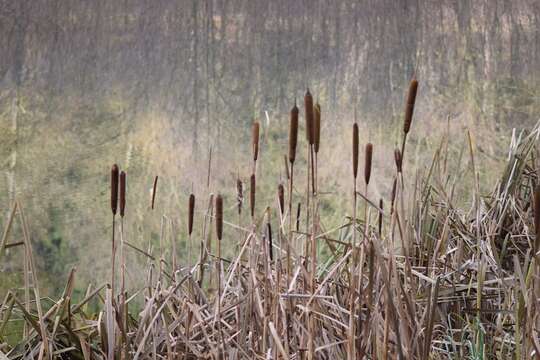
<point x="394" y="188"/>
<point x="308" y="103"/>
<point x="369" y="157"/>
<point x="252" y="194"/>
<point x="409" y="108"/>
<point x="154" y="189"/>
<point x="191" y="213"/>
<point x="317" y="127"/>
<point x="239" y="195"/>
<point x="281" y="198"/>
<point x="355" y="145"/>
<point x="537" y="219"/>
<point x="114" y="188"/>
<point x="219" y="217"/>
<point x="398" y="159"/>
<point x="381" y="206"/>
<point x="255" y="140"/>
<point x="298" y="209"/>
<point x="122" y="193"/>
<point x="293" y="133"/>
<point x="270" y="244"/>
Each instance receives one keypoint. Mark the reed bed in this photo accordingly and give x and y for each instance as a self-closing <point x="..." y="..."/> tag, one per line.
<point x="419" y="279"/>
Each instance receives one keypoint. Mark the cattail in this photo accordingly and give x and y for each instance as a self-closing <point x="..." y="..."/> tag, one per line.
<point x="367" y="168"/>
<point x="122" y="193"/>
<point x="270" y="244"/>
<point x="114" y="188"/>
<point x="317" y="127"/>
<point x="298" y="216"/>
<point x="255" y="140"/>
<point x="154" y="189"/>
<point x="293" y="133"/>
<point x="191" y="213"/>
<point x="252" y="195"/>
<point x="239" y="195"/>
<point x="308" y="103"/>
<point x="409" y="109"/>
<point x="281" y="198"/>
<point x="398" y="159"/>
<point x="355" y="150"/>
<point x="393" y="197"/>
<point x="381" y="205"/>
<point x="537" y="219"/>
<point x="219" y="217"/>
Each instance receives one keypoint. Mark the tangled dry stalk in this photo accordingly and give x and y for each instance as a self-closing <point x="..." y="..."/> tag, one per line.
<point x="421" y="279"/>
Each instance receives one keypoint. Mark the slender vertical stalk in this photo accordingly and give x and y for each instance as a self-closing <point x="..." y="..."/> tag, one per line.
<point x="191" y="214"/>
<point x="123" y="313"/>
<point x="114" y="207"/>
<point x="351" y="353"/>
<point x="219" y="233"/>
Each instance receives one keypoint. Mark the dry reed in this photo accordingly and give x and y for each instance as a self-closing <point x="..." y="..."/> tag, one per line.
<point x="398" y="160"/>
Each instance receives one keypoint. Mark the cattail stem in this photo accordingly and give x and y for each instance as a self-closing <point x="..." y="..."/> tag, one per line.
<point x="191" y="214"/>
<point x="290" y="239"/>
<point x="115" y="174"/>
<point x="351" y="353"/>
<point x="123" y="314"/>
<point x="219" y="231"/>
